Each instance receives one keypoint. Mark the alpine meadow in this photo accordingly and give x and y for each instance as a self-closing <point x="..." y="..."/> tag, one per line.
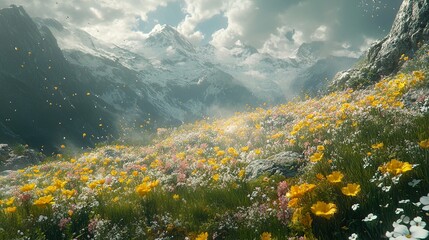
<point x="210" y="119"/>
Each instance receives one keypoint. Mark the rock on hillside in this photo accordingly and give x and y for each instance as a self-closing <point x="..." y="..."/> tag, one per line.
<point x="410" y="29"/>
<point x="20" y="157"/>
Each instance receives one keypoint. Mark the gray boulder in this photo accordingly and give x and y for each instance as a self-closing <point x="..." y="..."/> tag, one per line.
<point x="409" y="30"/>
<point x="284" y="163"/>
<point x="12" y="161"/>
<point x="5" y="151"/>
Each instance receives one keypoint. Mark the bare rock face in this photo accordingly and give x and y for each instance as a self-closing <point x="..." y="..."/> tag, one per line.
<point x="12" y="160"/>
<point x="284" y="163"/>
<point x="410" y="29"/>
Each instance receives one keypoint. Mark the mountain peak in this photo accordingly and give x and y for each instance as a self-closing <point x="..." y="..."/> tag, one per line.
<point x="166" y="36"/>
<point x="14" y="10"/>
<point x="311" y="51"/>
<point x="163" y="28"/>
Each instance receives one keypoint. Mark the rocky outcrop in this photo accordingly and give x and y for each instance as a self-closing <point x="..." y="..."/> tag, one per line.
<point x="284" y="163"/>
<point x="409" y="30"/>
<point x="21" y="157"/>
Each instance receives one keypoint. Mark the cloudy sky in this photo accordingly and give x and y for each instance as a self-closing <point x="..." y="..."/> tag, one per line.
<point x="277" y="27"/>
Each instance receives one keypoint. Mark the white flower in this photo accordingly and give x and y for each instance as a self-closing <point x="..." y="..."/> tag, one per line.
<point x="386" y="188"/>
<point x="404" y="201"/>
<point x="370" y="218"/>
<point x="354" y="236"/>
<point x="42" y="218"/>
<point x="401" y="232"/>
<point x="425" y="201"/>
<point x="403" y="219"/>
<point x="417" y="221"/>
<point x="399" y="210"/>
<point x="414" y="182"/>
<point x="355" y="206"/>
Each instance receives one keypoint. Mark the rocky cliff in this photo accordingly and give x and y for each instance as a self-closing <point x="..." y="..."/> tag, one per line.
<point x="409" y="31"/>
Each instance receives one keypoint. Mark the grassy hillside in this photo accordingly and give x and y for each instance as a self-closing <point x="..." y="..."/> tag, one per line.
<point x="366" y="176"/>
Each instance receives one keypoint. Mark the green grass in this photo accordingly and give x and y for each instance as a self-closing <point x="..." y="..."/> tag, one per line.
<point x="203" y="165"/>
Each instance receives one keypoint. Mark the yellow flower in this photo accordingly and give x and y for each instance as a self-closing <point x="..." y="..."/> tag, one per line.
<point x="245" y="149"/>
<point x="320" y="148"/>
<point x="266" y="236"/>
<point x="293" y="203"/>
<point x="176" y="197"/>
<point x="68" y="193"/>
<point x="59" y="184"/>
<point x="297" y="191"/>
<point x="233" y="152"/>
<point x="202" y="236"/>
<point x="258" y="151"/>
<point x="322" y="209"/>
<point x="277" y="135"/>
<point x="63" y="146"/>
<point x="419" y="75"/>
<point x="216" y="177"/>
<point x="241" y="173"/>
<point x="377" y="145"/>
<point x="84" y="178"/>
<point x="45" y="200"/>
<point x="143" y="189"/>
<point x="320" y="176"/>
<point x="220" y="153"/>
<point x="200" y="151"/>
<point x="10" y="210"/>
<point x="10" y="201"/>
<point x="50" y="189"/>
<point x="93" y="184"/>
<point x="335" y="177"/>
<point x="154" y="183"/>
<point x="395" y="167"/>
<point x="351" y="189"/>
<point x="424" y="143"/>
<point x="27" y="187"/>
<point x="299" y="218"/>
<point x="181" y="155"/>
<point x="317" y="156"/>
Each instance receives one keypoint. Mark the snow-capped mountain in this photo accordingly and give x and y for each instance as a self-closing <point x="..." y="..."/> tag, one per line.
<point x="163" y="79"/>
<point x="163" y="71"/>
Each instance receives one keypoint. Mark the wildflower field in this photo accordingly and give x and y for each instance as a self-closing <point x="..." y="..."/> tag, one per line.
<point x="366" y="176"/>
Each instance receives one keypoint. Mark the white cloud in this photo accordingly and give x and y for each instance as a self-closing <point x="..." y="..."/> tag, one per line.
<point x="282" y="44"/>
<point x="266" y="25"/>
<point x="110" y="20"/>
<point x="198" y="11"/>
<point x="236" y="14"/>
<point x="320" y="34"/>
